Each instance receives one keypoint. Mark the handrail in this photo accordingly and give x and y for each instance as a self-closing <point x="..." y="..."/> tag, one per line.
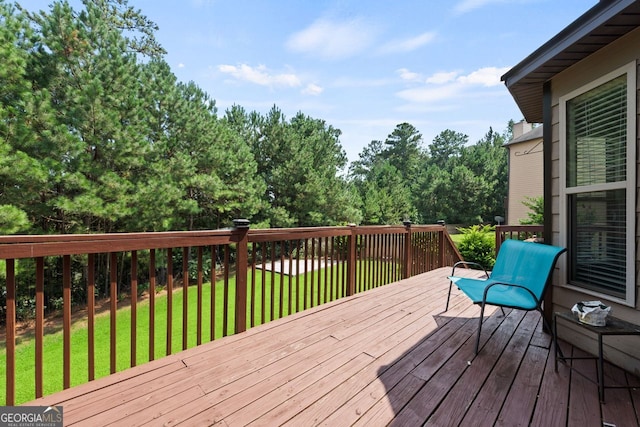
<point x="287" y="270"/>
<point x="518" y="232"/>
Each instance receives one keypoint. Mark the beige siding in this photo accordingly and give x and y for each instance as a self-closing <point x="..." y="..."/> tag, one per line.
<point x="623" y="351"/>
<point x="525" y="177"/>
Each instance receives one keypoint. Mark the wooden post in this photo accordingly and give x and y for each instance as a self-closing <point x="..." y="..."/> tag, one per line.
<point x="351" y="261"/>
<point x="242" y="265"/>
<point x="499" y="235"/>
<point x="408" y="261"/>
<point x="66" y="322"/>
<point x="11" y="334"/>
<point x="441" y="246"/>
<point x="39" y="326"/>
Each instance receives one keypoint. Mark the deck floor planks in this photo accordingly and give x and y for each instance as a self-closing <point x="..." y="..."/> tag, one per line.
<point x="401" y="338"/>
<point x="619" y="405"/>
<point x="521" y="399"/>
<point x="418" y="365"/>
<point x="462" y="394"/>
<point x="439" y="385"/>
<point x="253" y="389"/>
<point x="386" y="356"/>
<point x="495" y="390"/>
<point x="402" y="319"/>
<point x="584" y="403"/>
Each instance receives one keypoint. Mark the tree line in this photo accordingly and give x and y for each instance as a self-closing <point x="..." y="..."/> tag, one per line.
<point x="98" y="135"/>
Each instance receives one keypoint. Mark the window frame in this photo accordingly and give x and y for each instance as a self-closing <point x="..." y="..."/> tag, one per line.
<point x="629" y="184"/>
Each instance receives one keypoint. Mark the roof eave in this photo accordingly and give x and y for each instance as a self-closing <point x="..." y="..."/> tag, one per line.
<point x="524" y="81"/>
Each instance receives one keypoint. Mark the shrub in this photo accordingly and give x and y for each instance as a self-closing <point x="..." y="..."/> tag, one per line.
<point x="478" y="245"/>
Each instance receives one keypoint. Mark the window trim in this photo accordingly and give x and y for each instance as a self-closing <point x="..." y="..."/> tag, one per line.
<point x="630" y="183"/>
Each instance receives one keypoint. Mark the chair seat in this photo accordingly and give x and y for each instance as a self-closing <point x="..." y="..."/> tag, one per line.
<point x="500" y="295"/>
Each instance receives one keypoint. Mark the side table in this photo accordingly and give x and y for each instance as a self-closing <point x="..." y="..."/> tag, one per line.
<point x="614" y="326"/>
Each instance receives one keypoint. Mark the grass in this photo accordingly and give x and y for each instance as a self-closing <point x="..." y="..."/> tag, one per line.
<point x="457" y="238"/>
<point x="275" y="284"/>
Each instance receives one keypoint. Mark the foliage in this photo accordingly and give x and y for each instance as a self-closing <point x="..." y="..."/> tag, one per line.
<point x="478" y="245"/>
<point x="536" y="214"/>
<point x="449" y="180"/>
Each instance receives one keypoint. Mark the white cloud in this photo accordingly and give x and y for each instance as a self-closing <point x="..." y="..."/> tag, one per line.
<point x="450" y="85"/>
<point x="407" y="75"/>
<point x="312" y="89"/>
<point x="333" y="40"/>
<point x="260" y="75"/>
<point x="408" y="45"/>
<point x="442" y="77"/>
<point x="181" y="65"/>
<point x="488" y="76"/>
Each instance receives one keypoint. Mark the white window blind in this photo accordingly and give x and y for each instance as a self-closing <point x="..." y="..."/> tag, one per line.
<point x="596" y="156"/>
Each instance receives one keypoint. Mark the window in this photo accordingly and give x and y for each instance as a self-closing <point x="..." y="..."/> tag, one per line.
<point x="597" y="185"/>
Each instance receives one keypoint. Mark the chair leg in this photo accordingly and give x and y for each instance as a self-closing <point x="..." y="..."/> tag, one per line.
<point x="479" y="328"/>
<point x="449" y="295"/>
<point x="544" y="322"/>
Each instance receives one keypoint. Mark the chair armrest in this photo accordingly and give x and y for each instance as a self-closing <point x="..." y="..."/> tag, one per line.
<point x="467" y="263"/>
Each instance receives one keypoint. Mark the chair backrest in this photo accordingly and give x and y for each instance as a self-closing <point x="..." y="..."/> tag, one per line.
<point x="526" y="264"/>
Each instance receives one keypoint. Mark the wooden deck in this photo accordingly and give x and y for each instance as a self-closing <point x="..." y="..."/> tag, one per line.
<point x="387" y="356"/>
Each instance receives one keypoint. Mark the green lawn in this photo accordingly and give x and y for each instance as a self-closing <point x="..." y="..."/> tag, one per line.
<point x="53" y="342"/>
<point x="457" y="238"/>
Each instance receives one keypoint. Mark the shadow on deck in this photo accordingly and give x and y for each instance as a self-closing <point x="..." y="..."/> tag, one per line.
<point x="386" y="356"/>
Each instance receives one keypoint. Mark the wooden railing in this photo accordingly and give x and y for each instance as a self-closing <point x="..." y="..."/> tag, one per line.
<point x="287" y="270"/>
<point x="519" y="232"/>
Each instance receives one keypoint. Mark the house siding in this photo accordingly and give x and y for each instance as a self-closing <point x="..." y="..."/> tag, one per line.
<point x="623" y="351"/>
<point x="525" y="178"/>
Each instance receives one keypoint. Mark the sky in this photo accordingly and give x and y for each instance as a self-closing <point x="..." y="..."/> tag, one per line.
<point x="362" y="66"/>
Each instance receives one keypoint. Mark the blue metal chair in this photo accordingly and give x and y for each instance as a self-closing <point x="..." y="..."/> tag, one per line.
<point x="518" y="280"/>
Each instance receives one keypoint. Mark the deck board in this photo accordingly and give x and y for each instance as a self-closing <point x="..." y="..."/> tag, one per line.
<point x="389" y="356"/>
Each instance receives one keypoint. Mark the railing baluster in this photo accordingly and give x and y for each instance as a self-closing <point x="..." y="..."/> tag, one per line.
<point x="113" y="294"/>
<point x="331" y="267"/>
<point x="212" y="296"/>
<point x="134" y="307"/>
<point x="152" y="303"/>
<point x="39" y="325"/>
<point x="306" y="276"/>
<point x="253" y="283"/>
<point x="169" y="343"/>
<point x="366" y="267"/>
<point x="272" y="263"/>
<point x="298" y="293"/>
<point x="282" y="274"/>
<point x="263" y="300"/>
<point x="326" y="269"/>
<point x="290" y="278"/>
<point x="199" y="307"/>
<point x="185" y="296"/>
<point x="225" y="305"/>
<point x="351" y="262"/>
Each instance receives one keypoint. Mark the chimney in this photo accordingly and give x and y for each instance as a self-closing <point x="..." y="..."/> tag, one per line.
<point x="521" y="128"/>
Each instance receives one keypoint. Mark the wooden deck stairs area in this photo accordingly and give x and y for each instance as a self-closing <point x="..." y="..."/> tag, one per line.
<point x="388" y="356"/>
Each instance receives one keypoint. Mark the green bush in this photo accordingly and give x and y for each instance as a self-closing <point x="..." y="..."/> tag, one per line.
<point x="478" y="245"/>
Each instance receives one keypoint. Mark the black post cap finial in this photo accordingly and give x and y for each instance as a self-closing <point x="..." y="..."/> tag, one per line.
<point x="241" y="223"/>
